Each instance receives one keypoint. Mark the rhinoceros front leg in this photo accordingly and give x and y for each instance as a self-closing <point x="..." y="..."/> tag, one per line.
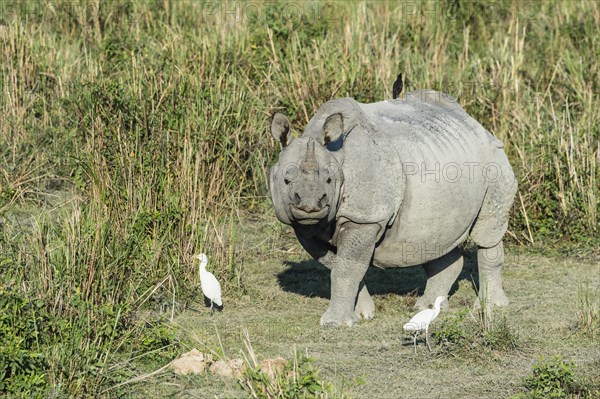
<point x="355" y="246"/>
<point x="364" y="307"/>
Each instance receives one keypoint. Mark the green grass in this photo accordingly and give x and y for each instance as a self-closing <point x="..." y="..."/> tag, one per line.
<point x="288" y="294"/>
<point x="133" y="135"/>
<point x="555" y="378"/>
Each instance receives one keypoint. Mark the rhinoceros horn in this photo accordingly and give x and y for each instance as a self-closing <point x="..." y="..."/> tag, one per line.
<point x="310" y="164"/>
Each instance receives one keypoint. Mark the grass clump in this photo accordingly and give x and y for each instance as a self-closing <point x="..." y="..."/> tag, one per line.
<point x="299" y="380"/>
<point x="452" y="331"/>
<point x="588" y="310"/>
<point x="278" y="378"/>
<point x="555" y="378"/>
<point x="459" y="334"/>
<point x="494" y="331"/>
<point x="501" y="336"/>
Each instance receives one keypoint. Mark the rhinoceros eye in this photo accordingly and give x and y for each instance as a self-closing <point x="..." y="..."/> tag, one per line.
<point x="328" y="180"/>
<point x="286" y="181"/>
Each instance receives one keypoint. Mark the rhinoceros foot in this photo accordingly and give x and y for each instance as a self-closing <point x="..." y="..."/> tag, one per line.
<point x="493" y="298"/>
<point x="333" y="318"/>
<point x="365" y="307"/>
<point x="501" y="299"/>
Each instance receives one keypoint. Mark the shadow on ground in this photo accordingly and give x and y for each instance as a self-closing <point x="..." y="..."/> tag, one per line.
<point x="310" y="278"/>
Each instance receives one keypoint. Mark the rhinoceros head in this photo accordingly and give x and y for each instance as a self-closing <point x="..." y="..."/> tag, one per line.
<point x="305" y="183"/>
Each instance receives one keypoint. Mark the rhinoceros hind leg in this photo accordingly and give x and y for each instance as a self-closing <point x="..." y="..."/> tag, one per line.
<point x="365" y="307"/>
<point x="441" y="274"/>
<point x="490" y="263"/>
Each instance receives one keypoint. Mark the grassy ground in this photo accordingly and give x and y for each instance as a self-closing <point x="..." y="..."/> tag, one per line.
<point x="287" y="294"/>
<point x="133" y="135"/>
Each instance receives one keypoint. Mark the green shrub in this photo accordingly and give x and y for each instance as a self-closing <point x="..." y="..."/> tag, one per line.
<point x="451" y="330"/>
<point x="551" y="379"/>
<point x="22" y="362"/>
<point x="555" y="379"/>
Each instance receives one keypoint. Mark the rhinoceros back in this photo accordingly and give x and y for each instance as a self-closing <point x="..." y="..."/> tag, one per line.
<point x="444" y="157"/>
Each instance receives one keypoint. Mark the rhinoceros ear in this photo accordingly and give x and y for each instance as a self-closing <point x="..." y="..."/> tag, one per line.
<point x="280" y="128"/>
<point x="333" y="128"/>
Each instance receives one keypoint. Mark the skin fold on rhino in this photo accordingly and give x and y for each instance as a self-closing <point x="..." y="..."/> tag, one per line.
<point x="396" y="183"/>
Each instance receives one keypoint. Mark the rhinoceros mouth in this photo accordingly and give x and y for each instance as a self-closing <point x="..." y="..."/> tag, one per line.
<point x="303" y="217"/>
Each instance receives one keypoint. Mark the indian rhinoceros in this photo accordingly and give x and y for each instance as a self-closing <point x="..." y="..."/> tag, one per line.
<point x="395" y="183"/>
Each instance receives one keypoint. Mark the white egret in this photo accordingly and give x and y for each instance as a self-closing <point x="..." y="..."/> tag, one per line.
<point x="421" y="320"/>
<point x="209" y="284"/>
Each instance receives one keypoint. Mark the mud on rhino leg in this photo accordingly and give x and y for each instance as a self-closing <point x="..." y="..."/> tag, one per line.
<point x="355" y="250"/>
<point x="491" y="263"/>
<point x="441" y="274"/>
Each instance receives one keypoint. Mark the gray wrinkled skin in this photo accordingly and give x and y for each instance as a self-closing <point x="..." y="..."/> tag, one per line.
<point x="396" y="183"/>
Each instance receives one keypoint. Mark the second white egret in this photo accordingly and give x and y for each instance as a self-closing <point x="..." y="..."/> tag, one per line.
<point x="209" y="284"/>
<point x="421" y="321"/>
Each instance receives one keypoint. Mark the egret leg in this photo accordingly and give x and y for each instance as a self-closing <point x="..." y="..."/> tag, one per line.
<point x="427" y="339"/>
<point x="415" y="342"/>
<point x="211" y="308"/>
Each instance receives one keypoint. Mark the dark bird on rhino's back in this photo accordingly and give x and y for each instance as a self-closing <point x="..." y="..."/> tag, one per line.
<point x="397" y="89"/>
